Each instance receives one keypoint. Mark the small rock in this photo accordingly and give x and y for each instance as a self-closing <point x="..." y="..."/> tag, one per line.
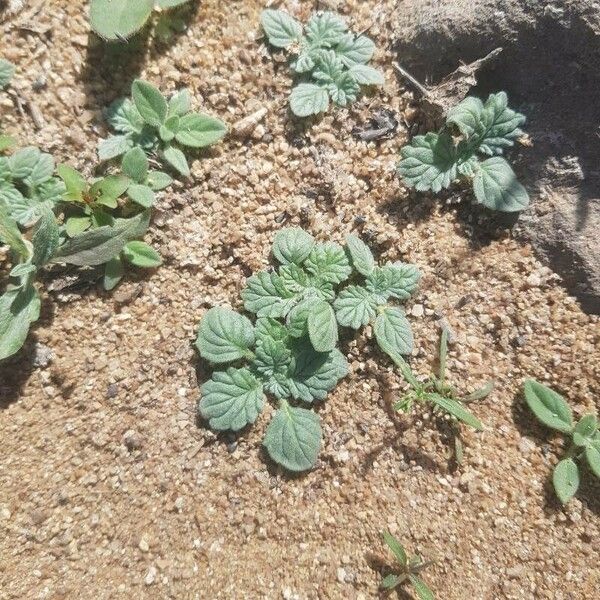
<point x="42" y="355"/>
<point x="417" y="310"/>
<point x="525" y="445"/>
<point x="150" y="576"/>
<point x="144" y="546"/>
<point x="111" y="390"/>
<point x="534" y="280"/>
<point x="132" y="440"/>
<point x="341" y="575"/>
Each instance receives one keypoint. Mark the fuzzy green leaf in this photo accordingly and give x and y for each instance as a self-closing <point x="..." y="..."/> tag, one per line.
<point x="566" y="479"/>
<point x="396" y="547"/>
<point x="366" y="75"/>
<point x="97" y="246"/>
<point x="355" y="306"/>
<point x="402" y="280"/>
<point x="141" y="194"/>
<point x="329" y="263"/>
<point x="141" y="255"/>
<point x="456" y="409"/>
<point x="268" y="328"/>
<point x="392" y="331"/>
<point x="360" y="255"/>
<point x="113" y="273"/>
<point x="466" y="116"/>
<point x="325" y="29"/>
<point x="10" y="233"/>
<point x="113" y="146"/>
<point x="266" y="295"/>
<point x="549" y="407"/>
<point x="176" y="158"/>
<point x="73" y="180"/>
<point x="119" y="19"/>
<point x="313" y="374"/>
<point x="429" y="162"/>
<point x="150" y="103"/>
<point x="322" y="326"/>
<point x="231" y="399"/>
<point x="501" y="125"/>
<point x="135" y="165"/>
<point x="41" y="172"/>
<point x="496" y="186"/>
<point x="18" y="309"/>
<point x="292" y="245"/>
<point x="281" y="29"/>
<point x="123" y="116"/>
<point x="179" y="103"/>
<point x="23" y="161"/>
<point x="392" y="581"/>
<point x="198" y="130"/>
<point x="308" y="99"/>
<point x="293" y="438"/>
<point x="46" y="236"/>
<point x="355" y="51"/>
<point x="157" y="180"/>
<point x="423" y="592"/>
<point x="224" y="335"/>
<point x="592" y="455"/>
<point x="584" y="431"/>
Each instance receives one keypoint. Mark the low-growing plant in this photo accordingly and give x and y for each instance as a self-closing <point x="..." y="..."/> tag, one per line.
<point x="552" y="410"/>
<point x="408" y="569"/>
<point x="327" y="60"/>
<point x="118" y="20"/>
<point x="435" y="160"/>
<point x="291" y="347"/>
<point x="158" y="126"/>
<point x="435" y="391"/>
<point x="48" y="219"/>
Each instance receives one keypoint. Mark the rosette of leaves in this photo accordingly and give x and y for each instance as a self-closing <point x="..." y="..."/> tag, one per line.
<point x="90" y="206"/>
<point x="118" y="20"/>
<point x="436" y="392"/>
<point x="328" y="61"/>
<point x="473" y="128"/>
<point x="268" y="359"/>
<point x="552" y="410"/>
<point x="304" y="291"/>
<point x="158" y="126"/>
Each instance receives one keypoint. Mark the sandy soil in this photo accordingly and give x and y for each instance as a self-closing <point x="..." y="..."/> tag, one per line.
<point x="110" y="488"/>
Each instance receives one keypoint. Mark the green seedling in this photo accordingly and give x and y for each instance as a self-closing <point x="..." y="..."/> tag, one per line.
<point x="291" y="347"/>
<point x="436" y="392"/>
<point x="118" y="20"/>
<point x="408" y="569"/>
<point x="551" y="409"/>
<point x="157" y="126"/>
<point x="31" y="197"/>
<point x="328" y="61"/>
<point x="434" y="161"/>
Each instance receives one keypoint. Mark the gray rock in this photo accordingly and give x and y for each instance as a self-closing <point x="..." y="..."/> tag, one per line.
<point x="550" y="68"/>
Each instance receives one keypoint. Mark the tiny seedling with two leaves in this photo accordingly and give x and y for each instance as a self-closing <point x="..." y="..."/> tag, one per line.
<point x="158" y="127"/>
<point x="408" y="569"/>
<point x="118" y="20"/>
<point x="551" y="409"/>
<point x="329" y="61"/>
<point x="435" y="160"/>
<point x="435" y="391"/>
<point x="290" y="350"/>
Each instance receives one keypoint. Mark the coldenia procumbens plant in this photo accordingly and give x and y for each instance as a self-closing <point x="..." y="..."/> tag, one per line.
<point x="435" y="160"/>
<point x="551" y="409"/>
<point x="291" y="347"/>
<point x="408" y="569"/>
<point x="118" y="20"/>
<point x="327" y="59"/>
<point x="438" y="393"/>
<point x="158" y="127"/>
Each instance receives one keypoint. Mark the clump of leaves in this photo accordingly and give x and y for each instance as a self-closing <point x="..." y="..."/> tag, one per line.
<point x="118" y="20"/>
<point x="438" y="393"/>
<point x="552" y="410"/>
<point x="291" y="348"/>
<point x="31" y="197"/>
<point x="435" y="160"/>
<point x="158" y="126"/>
<point x="327" y="60"/>
<point x="7" y="70"/>
<point x="408" y="569"/>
